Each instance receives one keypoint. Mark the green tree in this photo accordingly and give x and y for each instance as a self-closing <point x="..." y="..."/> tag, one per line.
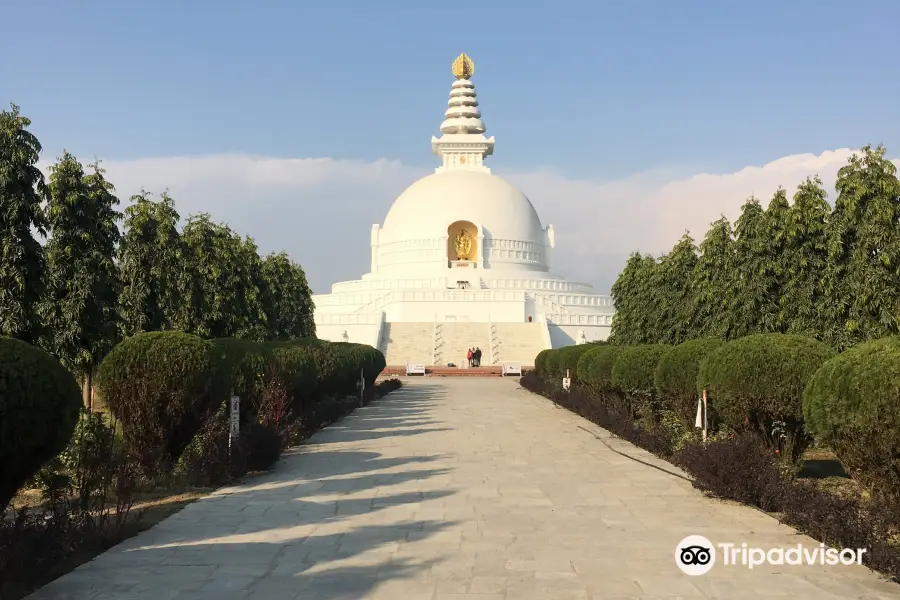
<point x="713" y="282"/>
<point x="805" y="260"/>
<point x="287" y="300"/>
<point x="864" y="250"/>
<point x="221" y="287"/>
<point x="151" y="266"/>
<point x="21" y="256"/>
<point x="777" y="220"/>
<point x="673" y="292"/>
<point x="633" y="297"/>
<point x="755" y="308"/>
<point x="83" y="284"/>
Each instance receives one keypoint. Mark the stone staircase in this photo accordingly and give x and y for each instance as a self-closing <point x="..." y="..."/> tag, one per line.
<point x="457" y="338"/>
<point x="407" y="342"/>
<point x="517" y="342"/>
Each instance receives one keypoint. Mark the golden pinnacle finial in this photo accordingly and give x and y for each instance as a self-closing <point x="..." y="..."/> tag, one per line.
<point x="463" y="67"/>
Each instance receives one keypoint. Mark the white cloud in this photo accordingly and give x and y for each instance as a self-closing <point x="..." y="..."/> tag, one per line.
<point x="321" y="210"/>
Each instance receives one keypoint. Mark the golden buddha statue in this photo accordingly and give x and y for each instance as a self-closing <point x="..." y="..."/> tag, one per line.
<point x="463" y="245"/>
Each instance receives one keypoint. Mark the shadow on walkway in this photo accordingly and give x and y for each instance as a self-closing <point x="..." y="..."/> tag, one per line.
<point x="324" y="524"/>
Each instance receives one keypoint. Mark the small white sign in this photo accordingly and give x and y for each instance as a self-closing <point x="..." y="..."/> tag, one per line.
<point x="567" y="383"/>
<point x="235" y="430"/>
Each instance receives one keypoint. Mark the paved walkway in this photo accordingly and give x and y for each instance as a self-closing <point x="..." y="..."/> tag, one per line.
<point x="453" y="488"/>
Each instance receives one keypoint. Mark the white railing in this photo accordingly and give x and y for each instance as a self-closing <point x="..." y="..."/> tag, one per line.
<point x="581" y="300"/>
<point x="494" y="341"/>
<point x="570" y="319"/>
<point x="376" y="304"/>
<point x="348" y="319"/>
<point x="344" y="299"/>
<point x="548" y="301"/>
<point x="549" y="285"/>
<point x="524" y="283"/>
<point x="438" y="341"/>
<point x="382" y="285"/>
<point x="442" y="296"/>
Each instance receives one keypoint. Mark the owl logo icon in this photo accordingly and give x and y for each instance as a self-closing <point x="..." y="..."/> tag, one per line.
<point x="695" y="555"/>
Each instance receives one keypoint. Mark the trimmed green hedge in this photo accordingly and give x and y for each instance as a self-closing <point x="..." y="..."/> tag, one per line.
<point x="675" y="379"/>
<point x="756" y="383"/>
<point x="852" y="404"/>
<point x="600" y="376"/>
<point x="39" y="406"/>
<point x="633" y="374"/>
<point x="166" y="386"/>
<point x="635" y="368"/>
<point x="540" y="362"/>
<point x="568" y="360"/>
<point x="242" y="367"/>
<point x="583" y="368"/>
<point x="160" y="385"/>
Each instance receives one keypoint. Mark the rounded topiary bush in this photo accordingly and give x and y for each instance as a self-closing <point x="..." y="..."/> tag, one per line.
<point x="600" y="375"/>
<point x="756" y="383"/>
<point x="635" y="368"/>
<point x="675" y="379"/>
<point x="633" y="374"/>
<point x="356" y="358"/>
<point x="568" y="360"/>
<point x="583" y="367"/>
<point x="242" y="368"/>
<point x="540" y="362"/>
<point x="160" y="385"/>
<point x="852" y="404"/>
<point x="295" y="366"/>
<point x="39" y="407"/>
<point x="551" y="367"/>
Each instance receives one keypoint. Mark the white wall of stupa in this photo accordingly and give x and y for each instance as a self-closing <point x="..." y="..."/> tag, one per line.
<point x="462" y="256"/>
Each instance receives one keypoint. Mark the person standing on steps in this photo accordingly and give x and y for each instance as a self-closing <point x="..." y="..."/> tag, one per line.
<point x="469" y="357"/>
<point x="477" y="356"/>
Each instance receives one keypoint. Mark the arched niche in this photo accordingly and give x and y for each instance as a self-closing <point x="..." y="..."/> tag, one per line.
<point x="469" y="231"/>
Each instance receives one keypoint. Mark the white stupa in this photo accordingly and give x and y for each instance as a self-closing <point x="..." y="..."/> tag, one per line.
<point x="462" y="260"/>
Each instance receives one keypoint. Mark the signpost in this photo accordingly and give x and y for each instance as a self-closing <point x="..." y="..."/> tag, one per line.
<point x="362" y="386"/>
<point x="567" y="380"/>
<point x="702" y="422"/>
<point x="235" y="431"/>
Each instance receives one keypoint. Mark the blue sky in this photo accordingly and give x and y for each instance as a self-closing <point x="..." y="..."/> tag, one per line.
<point x="587" y="87"/>
<point x="586" y="95"/>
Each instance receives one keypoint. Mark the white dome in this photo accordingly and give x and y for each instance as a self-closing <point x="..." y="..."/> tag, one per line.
<point x="429" y="206"/>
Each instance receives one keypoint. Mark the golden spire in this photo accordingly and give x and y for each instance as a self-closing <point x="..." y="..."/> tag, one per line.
<point x="463" y="67"/>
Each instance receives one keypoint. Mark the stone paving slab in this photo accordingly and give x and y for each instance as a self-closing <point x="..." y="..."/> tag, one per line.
<point x="455" y="488"/>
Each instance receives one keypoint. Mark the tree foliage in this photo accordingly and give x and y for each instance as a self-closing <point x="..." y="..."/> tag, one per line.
<point x="805" y="260"/>
<point x="712" y="281"/>
<point x="800" y="268"/>
<point x="634" y="320"/>
<point x="92" y="284"/>
<point x="80" y="308"/>
<point x="864" y="250"/>
<point x="223" y="296"/>
<point x="287" y="299"/>
<point x="150" y="261"/>
<point x="21" y="255"/>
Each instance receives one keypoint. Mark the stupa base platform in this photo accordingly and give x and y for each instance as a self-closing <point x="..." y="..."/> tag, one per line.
<point x="444" y="371"/>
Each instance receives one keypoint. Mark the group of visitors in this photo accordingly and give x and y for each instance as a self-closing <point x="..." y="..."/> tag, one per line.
<point x="474" y="357"/>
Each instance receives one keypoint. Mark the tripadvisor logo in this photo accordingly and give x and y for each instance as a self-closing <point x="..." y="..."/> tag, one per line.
<point x="696" y="555"/>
